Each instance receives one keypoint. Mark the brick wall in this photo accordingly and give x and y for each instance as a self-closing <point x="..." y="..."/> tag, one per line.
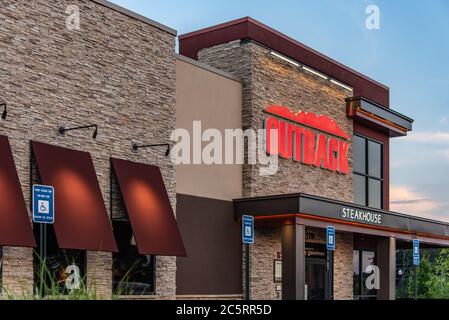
<point x="268" y="80"/>
<point x="117" y="72"/>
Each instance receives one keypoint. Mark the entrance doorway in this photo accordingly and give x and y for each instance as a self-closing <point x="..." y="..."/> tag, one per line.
<point x="361" y="260"/>
<point x="315" y="271"/>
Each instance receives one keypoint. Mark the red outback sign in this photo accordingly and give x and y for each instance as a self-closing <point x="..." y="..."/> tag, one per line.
<point x="305" y="143"/>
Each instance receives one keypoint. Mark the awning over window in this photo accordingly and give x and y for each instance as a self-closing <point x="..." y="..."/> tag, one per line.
<point x="378" y="116"/>
<point x="150" y="213"/>
<point x="81" y="219"/>
<point x="15" y="225"/>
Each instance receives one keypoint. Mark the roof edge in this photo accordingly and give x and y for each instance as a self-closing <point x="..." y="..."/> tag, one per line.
<point x="208" y="68"/>
<point x="213" y="28"/>
<point x="137" y="16"/>
<point x="285" y="37"/>
<point x="349" y="204"/>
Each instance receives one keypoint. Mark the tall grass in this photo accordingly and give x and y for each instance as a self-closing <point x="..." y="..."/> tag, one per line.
<point x="49" y="287"/>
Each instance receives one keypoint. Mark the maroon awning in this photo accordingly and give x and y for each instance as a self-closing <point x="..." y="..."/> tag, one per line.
<point x="15" y="224"/>
<point x="150" y="213"/>
<point x="81" y="219"/>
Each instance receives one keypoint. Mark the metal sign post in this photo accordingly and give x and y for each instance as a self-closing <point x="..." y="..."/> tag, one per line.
<point x="43" y="214"/>
<point x="330" y="246"/>
<point x="247" y="239"/>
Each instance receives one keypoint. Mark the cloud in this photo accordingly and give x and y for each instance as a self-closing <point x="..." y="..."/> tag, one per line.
<point x="435" y="145"/>
<point x="444" y="120"/>
<point x="429" y="137"/>
<point x="406" y="200"/>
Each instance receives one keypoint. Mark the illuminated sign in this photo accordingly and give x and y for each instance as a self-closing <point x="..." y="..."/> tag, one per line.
<point x="363" y="216"/>
<point x="312" y="140"/>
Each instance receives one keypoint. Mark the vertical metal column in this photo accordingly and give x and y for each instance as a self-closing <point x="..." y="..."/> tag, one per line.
<point x="293" y="262"/>
<point x="386" y="261"/>
<point x="329" y="275"/>
<point x="248" y="282"/>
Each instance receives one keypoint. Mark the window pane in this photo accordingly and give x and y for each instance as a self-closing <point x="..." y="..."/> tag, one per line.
<point x="55" y="272"/>
<point x="375" y="194"/>
<point x="375" y="159"/>
<point x="367" y="260"/>
<point x="133" y="273"/>
<point x="359" y="154"/>
<point x="359" y="189"/>
<point x="356" y="274"/>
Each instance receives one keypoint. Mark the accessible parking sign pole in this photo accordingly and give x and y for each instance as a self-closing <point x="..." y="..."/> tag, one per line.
<point x="330" y="246"/>
<point x="247" y="239"/>
<point x="43" y="214"/>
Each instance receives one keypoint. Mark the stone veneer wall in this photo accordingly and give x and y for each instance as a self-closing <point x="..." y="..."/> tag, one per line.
<point x="343" y="269"/>
<point x="117" y="72"/>
<point x="262" y="255"/>
<point x="268" y="80"/>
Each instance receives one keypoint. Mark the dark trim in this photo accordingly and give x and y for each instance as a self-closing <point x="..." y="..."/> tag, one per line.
<point x="395" y="118"/>
<point x="331" y="209"/>
<point x="247" y="28"/>
<point x="293" y="263"/>
<point x="213" y="240"/>
<point x="365" y="130"/>
<point x="366" y="175"/>
<point x="371" y="105"/>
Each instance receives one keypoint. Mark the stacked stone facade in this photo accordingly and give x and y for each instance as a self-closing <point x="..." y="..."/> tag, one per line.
<point x="343" y="268"/>
<point x="268" y="80"/>
<point x="116" y="71"/>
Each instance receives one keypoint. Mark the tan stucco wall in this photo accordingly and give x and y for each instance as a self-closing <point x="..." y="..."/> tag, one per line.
<point x="216" y="101"/>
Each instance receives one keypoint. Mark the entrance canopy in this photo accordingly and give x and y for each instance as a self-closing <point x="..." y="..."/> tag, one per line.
<point x="320" y="212"/>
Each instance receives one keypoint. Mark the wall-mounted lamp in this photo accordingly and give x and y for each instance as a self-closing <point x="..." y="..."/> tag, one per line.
<point x="5" y="111"/>
<point x="136" y="147"/>
<point x="63" y="130"/>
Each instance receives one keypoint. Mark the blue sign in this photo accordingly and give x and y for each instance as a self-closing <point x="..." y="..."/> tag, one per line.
<point x="43" y="204"/>
<point x="330" y="238"/>
<point x="248" y="229"/>
<point x="416" y="255"/>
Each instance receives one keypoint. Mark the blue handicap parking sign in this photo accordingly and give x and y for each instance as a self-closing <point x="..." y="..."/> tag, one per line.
<point x="330" y="238"/>
<point x="248" y="229"/>
<point x="416" y="255"/>
<point x="43" y="204"/>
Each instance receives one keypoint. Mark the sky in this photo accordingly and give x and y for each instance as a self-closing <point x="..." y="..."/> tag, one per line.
<point x="409" y="54"/>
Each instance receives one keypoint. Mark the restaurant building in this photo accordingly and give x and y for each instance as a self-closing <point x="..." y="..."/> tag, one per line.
<point x="334" y="128"/>
<point x="90" y="111"/>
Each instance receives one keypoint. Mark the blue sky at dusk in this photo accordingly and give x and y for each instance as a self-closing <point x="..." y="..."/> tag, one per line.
<point x="410" y="54"/>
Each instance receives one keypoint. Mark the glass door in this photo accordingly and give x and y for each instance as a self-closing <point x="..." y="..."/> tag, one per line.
<point x="361" y="260"/>
<point x="315" y="271"/>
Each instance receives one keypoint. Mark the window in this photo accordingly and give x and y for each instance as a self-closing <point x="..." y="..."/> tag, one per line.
<point x="361" y="260"/>
<point x="367" y="172"/>
<point x="133" y="273"/>
<point x="53" y="277"/>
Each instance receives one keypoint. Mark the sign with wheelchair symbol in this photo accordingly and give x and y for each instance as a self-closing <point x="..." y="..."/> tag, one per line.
<point x="43" y="204"/>
<point x="248" y="229"/>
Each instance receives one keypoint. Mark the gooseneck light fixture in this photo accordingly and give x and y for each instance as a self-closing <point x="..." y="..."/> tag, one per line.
<point x="136" y="147"/>
<point x="63" y="130"/>
<point x="5" y="111"/>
